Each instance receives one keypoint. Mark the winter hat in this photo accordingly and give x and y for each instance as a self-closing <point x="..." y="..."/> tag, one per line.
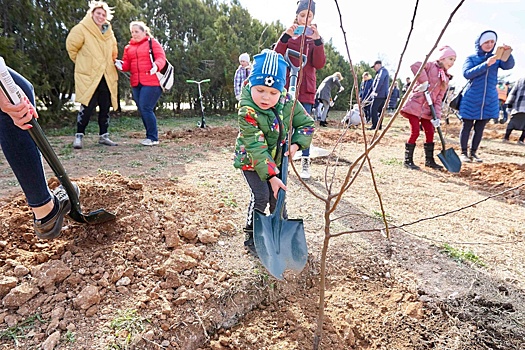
<point x="446" y="51"/>
<point x="303" y="5"/>
<point x="269" y="69"/>
<point x="486" y="36"/>
<point x="244" y="57"/>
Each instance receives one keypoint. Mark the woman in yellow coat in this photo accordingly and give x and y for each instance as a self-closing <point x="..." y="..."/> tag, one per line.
<point x="91" y="44"/>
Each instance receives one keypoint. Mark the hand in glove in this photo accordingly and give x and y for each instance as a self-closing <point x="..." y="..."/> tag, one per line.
<point x="373" y="94"/>
<point x="154" y="69"/>
<point x="435" y="122"/>
<point x="422" y="87"/>
<point x="331" y="103"/>
<point x="118" y="64"/>
<point x="341" y="89"/>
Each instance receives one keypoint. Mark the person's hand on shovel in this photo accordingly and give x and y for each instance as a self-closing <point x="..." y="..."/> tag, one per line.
<point x="291" y="152"/>
<point x="276" y="184"/>
<point x="21" y="113"/>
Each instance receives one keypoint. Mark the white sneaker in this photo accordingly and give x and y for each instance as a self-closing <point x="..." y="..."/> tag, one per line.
<point x="148" y="142"/>
<point x="464" y="158"/>
<point x="305" y="165"/>
<point x="475" y="158"/>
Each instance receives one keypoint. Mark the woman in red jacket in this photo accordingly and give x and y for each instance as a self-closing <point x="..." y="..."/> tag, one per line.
<point x="144" y="82"/>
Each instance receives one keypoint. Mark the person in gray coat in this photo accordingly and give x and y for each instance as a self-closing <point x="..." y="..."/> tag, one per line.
<point x="324" y="94"/>
<point x="516" y="108"/>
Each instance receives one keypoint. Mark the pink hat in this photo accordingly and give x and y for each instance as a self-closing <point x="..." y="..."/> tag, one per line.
<point x="445" y="51"/>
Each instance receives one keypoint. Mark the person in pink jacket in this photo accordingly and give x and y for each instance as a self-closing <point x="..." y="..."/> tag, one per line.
<point x="434" y="78"/>
<point x="316" y="59"/>
<point x="144" y="82"/>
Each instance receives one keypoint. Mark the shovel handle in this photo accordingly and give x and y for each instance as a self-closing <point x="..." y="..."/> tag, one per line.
<point x="433" y="112"/>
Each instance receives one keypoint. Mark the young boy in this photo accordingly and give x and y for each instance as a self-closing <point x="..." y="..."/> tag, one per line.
<point x="242" y="72"/>
<point x="264" y="120"/>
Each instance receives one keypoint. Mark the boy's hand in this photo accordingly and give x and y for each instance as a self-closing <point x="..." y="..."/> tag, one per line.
<point x="291" y="152"/>
<point x="276" y="184"/>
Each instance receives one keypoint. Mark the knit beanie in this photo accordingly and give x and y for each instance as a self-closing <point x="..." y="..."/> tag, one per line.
<point x="303" y="5"/>
<point x="244" y="57"/>
<point x="486" y="36"/>
<point x="446" y="51"/>
<point x="269" y="69"/>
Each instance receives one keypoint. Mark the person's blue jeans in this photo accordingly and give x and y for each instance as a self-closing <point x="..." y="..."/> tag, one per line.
<point x="22" y="153"/>
<point x="503" y="108"/>
<point x="308" y="107"/>
<point x="146" y="98"/>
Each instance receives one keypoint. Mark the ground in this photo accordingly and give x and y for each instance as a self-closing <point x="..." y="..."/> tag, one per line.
<point x="170" y="272"/>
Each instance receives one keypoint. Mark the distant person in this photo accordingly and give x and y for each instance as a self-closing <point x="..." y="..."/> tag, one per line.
<point x="364" y="94"/>
<point x="92" y="46"/>
<point x="316" y="59"/>
<point x="406" y="85"/>
<point x="434" y="78"/>
<point x="480" y="100"/>
<point x="394" y="98"/>
<point x="379" y="93"/>
<point x="503" y="91"/>
<point x="264" y="120"/>
<point x="324" y="93"/>
<point x="145" y="85"/>
<point x="24" y="158"/>
<point x="516" y="105"/>
<point x="241" y="74"/>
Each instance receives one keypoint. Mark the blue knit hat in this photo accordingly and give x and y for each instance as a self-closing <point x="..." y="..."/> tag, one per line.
<point x="269" y="69"/>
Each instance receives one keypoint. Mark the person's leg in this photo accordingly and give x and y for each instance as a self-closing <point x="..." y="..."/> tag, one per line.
<point x="25" y="160"/>
<point x="377" y="107"/>
<point x="429" y="144"/>
<point x="148" y="98"/>
<point x="464" y="136"/>
<point x="83" y="117"/>
<point x="382" y="102"/>
<point x="305" y="153"/>
<point x="479" y="127"/>
<point x="411" y="143"/>
<point x="326" y="106"/>
<point x="503" y="107"/>
<point x="104" y="103"/>
<point x="522" y="137"/>
<point x="260" y="194"/>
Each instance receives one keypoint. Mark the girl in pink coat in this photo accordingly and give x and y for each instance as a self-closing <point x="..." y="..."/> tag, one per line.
<point x="434" y="78"/>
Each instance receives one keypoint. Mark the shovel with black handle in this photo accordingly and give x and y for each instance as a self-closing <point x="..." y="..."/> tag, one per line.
<point x="13" y="93"/>
<point x="448" y="157"/>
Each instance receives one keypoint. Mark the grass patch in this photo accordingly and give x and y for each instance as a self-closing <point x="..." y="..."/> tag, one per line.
<point x="462" y="255"/>
<point x="19" y="330"/>
<point x="391" y="161"/>
<point x="378" y="215"/>
<point x="126" y="326"/>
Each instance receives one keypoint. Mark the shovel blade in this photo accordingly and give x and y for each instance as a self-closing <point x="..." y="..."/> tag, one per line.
<point x="280" y="243"/>
<point x="450" y="160"/>
<point x="95" y="217"/>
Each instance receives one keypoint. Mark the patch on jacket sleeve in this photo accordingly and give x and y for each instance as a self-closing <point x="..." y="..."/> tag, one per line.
<point x="272" y="168"/>
<point x="307" y="130"/>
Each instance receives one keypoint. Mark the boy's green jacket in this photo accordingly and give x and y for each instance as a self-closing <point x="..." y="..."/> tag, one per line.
<point x="256" y="145"/>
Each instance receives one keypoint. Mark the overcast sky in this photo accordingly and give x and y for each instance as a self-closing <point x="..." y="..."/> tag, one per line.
<point x="377" y="29"/>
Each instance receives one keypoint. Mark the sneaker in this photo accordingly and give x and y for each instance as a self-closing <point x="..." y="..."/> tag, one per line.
<point x="505" y="140"/>
<point x="148" y="142"/>
<point x="464" y="158"/>
<point x="250" y="247"/>
<point x="305" y="165"/>
<point x="104" y="140"/>
<point x="476" y="158"/>
<point x="53" y="228"/>
<point x="521" y="143"/>
<point x="77" y="143"/>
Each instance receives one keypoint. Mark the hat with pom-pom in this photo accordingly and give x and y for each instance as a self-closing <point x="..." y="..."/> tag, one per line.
<point x="446" y="51"/>
<point x="269" y="69"/>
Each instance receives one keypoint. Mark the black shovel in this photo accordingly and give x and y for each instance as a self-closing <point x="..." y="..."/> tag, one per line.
<point x="280" y="243"/>
<point x="12" y="92"/>
<point x="448" y="157"/>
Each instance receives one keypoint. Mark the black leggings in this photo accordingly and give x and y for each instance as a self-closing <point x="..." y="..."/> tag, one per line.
<point x="101" y="98"/>
<point x="479" y="126"/>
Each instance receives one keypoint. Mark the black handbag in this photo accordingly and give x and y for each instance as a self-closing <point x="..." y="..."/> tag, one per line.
<point x="456" y="101"/>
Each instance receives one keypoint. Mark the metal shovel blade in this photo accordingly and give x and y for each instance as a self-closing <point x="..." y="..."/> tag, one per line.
<point x="448" y="157"/>
<point x="95" y="217"/>
<point x="450" y="160"/>
<point x="280" y="243"/>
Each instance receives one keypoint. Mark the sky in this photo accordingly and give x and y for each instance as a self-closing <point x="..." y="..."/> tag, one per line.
<point x="378" y="29"/>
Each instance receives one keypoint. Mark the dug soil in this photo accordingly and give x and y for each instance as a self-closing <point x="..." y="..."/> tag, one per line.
<point x="171" y="272"/>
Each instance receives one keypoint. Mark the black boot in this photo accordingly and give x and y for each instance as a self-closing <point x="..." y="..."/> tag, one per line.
<point x="429" y="157"/>
<point x="248" y="241"/>
<point x="409" y="155"/>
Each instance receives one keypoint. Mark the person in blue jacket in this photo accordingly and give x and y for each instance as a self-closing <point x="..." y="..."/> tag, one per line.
<point x="480" y="100"/>
<point x="364" y="95"/>
<point x="379" y="92"/>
